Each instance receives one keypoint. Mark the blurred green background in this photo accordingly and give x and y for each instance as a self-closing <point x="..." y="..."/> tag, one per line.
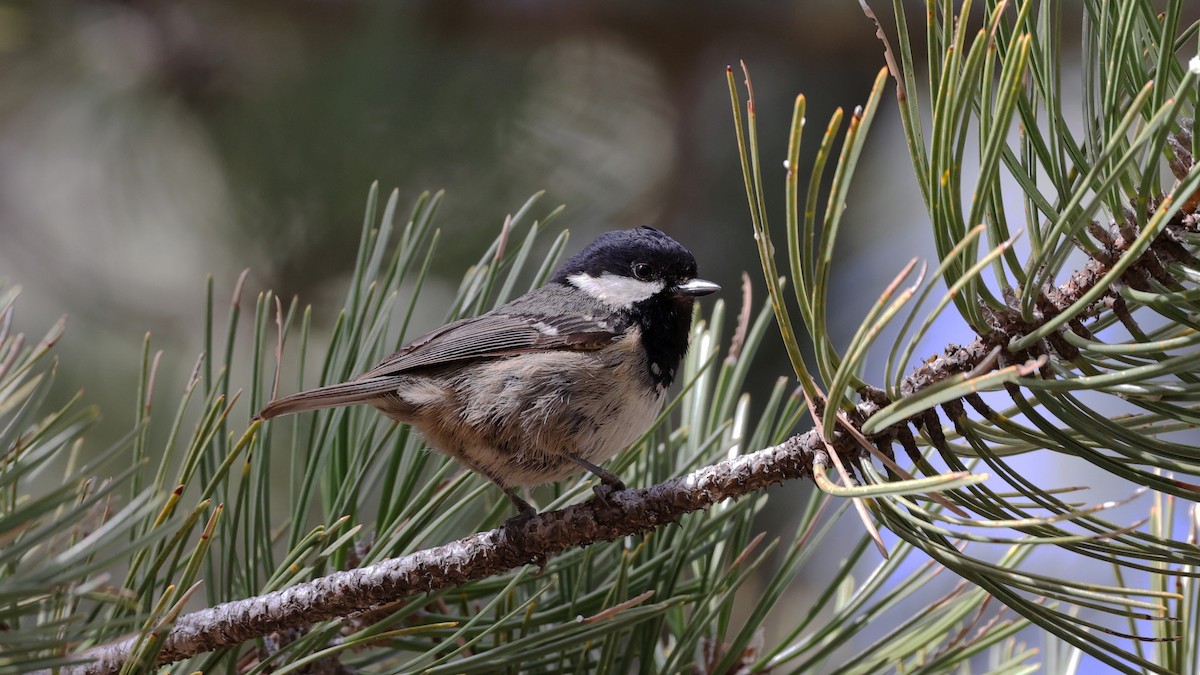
<point x="146" y="144"/>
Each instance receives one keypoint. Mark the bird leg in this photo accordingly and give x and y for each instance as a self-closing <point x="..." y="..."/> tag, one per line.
<point x="524" y="510"/>
<point x="609" y="481"/>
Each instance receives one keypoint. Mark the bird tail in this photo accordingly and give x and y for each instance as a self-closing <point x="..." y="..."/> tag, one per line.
<point x="332" y="396"/>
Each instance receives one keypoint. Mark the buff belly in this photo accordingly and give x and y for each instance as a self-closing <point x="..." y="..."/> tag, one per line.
<point x="518" y="423"/>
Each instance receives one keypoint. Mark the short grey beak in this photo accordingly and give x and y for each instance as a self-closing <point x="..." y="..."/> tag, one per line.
<point x="696" y="287"/>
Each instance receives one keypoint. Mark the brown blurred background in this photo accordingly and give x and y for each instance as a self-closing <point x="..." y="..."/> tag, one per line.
<point x="145" y="144"/>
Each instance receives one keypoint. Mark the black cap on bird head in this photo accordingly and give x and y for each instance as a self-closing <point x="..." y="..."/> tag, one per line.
<point x="644" y="253"/>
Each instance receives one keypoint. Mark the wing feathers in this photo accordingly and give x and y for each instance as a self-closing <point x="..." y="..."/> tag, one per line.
<point x="493" y="336"/>
<point x="332" y="396"/>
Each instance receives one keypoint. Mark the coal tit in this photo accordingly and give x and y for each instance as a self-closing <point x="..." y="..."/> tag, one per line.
<point x="558" y="380"/>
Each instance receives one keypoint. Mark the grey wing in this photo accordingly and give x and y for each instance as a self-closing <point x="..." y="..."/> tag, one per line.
<point x="494" y="335"/>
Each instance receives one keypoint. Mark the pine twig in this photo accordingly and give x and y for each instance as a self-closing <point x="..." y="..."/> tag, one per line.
<point x="625" y="513"/>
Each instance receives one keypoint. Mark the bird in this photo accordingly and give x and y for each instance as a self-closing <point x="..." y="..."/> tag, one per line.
<point x="552" y="383"/>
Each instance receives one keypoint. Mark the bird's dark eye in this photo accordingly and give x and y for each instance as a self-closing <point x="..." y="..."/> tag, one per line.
<point x="641" y="271"/>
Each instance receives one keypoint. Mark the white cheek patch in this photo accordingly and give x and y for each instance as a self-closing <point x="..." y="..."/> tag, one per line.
<point x="615" y="290"/>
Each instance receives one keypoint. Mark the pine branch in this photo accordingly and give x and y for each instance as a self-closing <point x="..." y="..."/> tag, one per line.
<point x="954" y="359"/>
<point x="341" y="594"/>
